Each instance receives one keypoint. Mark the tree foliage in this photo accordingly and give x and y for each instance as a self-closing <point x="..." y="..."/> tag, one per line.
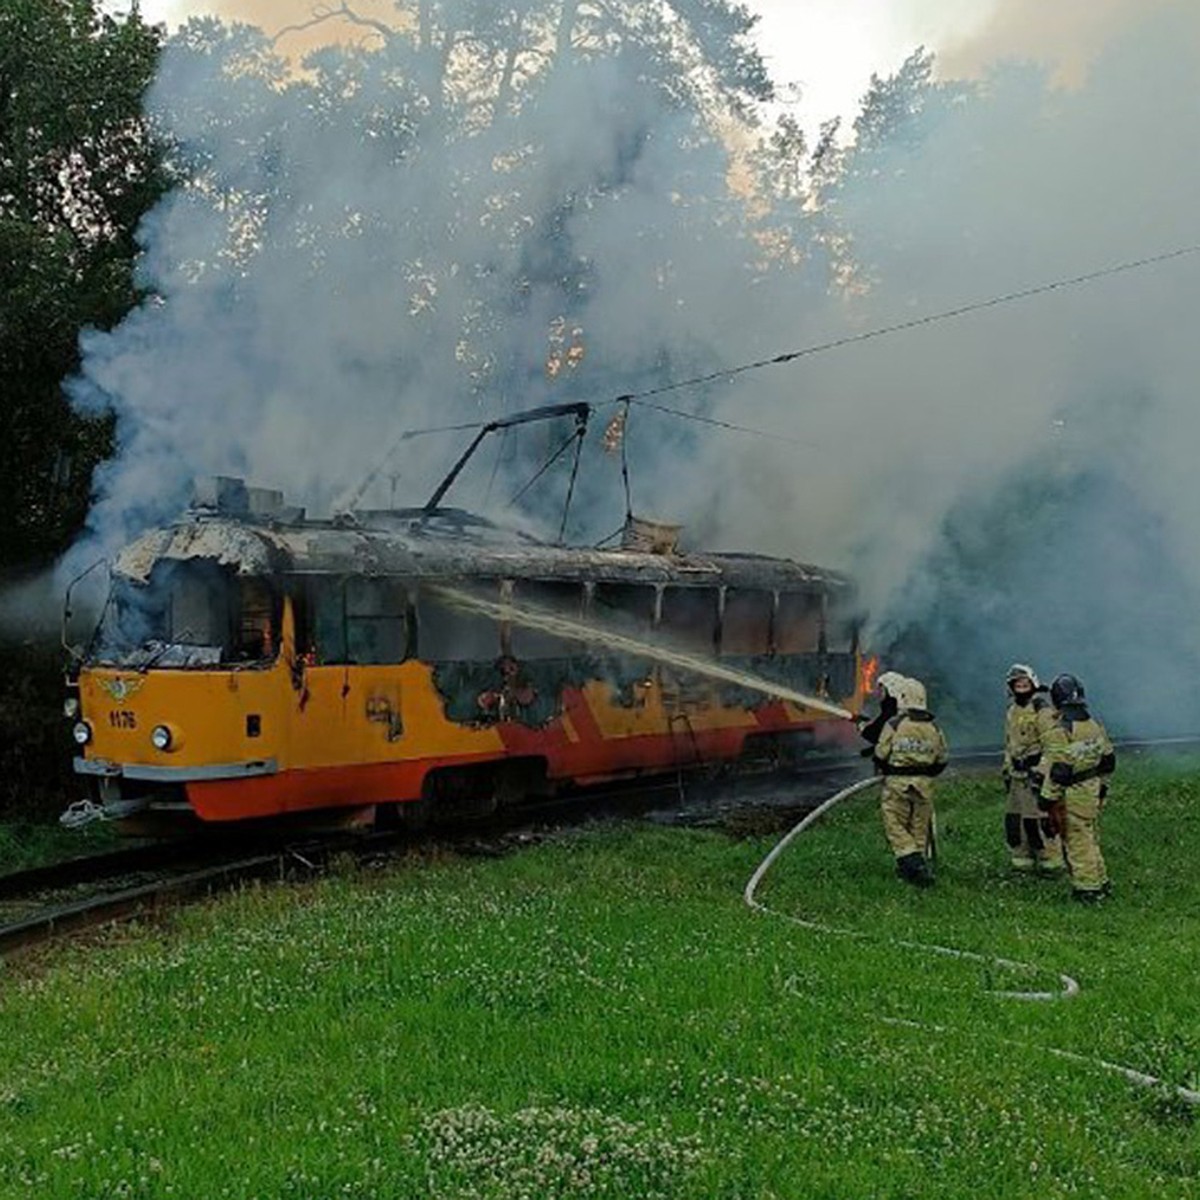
<point x="418" y="219"/>
<point x="78" y="169"/>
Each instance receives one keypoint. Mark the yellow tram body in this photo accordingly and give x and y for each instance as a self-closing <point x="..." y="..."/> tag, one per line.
<point x="301" y="722"/>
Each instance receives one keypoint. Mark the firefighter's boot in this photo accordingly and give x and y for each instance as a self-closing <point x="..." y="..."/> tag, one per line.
<point x="913" y="868"/>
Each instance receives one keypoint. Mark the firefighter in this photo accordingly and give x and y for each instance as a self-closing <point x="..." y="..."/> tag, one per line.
<point x="910" y="752"/>
<point x="1027" y="830"/>
<point x="886" y="685"/>
<point x="1077" y="759"/>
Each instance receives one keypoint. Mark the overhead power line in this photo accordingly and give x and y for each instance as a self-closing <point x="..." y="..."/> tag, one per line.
<point x="642" y="398"/>
<point x="962" y="310"/>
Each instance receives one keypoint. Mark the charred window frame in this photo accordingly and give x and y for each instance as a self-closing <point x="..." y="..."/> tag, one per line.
<point x="202" y="607"/>
<point x="449" y="634"/>
<point x="800" y="623"/>
<point x="191" y="613"/>
<point x="258" y="618"/>
<point x="134" y="615"/>
<point x="563" y="598"/>
<point x="843" y="624"/>
<point x="691" y="618"/>
<point x="354" y="619"/>
<point x="747" y="622"/>
<point x="376" y="619"/>
<point x="629" y="608"/>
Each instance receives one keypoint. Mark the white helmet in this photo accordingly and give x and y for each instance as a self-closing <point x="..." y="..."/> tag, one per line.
<point x="910" y="694"/>
<point x="889" y="683"/>
<point x="1021" y="671"/>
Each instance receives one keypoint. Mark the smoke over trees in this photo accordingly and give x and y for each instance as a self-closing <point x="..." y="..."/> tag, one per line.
<point x="397" y="231"/>
<point x="472" y="208"/>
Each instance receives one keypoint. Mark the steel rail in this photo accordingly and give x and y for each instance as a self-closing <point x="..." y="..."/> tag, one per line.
<point x="92" y="868"/>
<point x="130" y="903"/>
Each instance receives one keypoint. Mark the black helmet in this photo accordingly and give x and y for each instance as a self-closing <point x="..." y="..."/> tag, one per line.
<point x="1066" y="689"/>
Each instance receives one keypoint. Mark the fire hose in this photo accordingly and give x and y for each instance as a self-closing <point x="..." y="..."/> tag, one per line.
<point x="1068" y="986"/>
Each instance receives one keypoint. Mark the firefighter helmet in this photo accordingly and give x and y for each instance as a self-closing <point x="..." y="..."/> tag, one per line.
<point x="1021" y="671"/>
<point x="910" y="694"/>
<point x="889" y="682"/>
<point x="1066" y="689"/>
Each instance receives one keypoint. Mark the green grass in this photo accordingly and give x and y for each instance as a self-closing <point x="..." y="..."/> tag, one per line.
<point x="32" y="843"/>
<point x="602" y="1016"/>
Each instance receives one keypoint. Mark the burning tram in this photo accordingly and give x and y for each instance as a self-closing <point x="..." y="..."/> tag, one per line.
<point x="252" y="663"/>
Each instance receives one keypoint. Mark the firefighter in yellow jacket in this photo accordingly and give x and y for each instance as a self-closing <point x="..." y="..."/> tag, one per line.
<point x="910" y="752"/>
<point x="1076" y="762"/>
<point x="1027" y="830"/>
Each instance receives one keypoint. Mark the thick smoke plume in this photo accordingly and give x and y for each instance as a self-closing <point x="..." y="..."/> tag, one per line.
<point x="1066" y="36"/>
<point x="1016" y="484"/>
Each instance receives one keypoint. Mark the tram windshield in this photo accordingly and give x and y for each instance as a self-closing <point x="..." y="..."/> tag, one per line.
<point x="188" y="614"/>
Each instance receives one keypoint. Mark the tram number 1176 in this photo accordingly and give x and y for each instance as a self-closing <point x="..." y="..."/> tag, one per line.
<point x="120" y="718"/>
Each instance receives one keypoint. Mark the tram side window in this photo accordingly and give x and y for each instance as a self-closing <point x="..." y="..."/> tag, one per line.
<point x="355" y="620"/>
<point x="798" y="623"/>
<point x="689" y="618"/>
<point x="449" y="634"/>
<point x="322" y="638"/>
<point x="626" y="607"/>
<point x="746" y="624"/>
<point x="376" y="621"/>
<point x="257" y="621"/>
<point x="843" y="626"/>
<point x="561" y="600"/>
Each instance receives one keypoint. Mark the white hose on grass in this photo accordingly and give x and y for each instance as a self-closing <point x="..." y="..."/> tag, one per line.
<point x="1069" y="986"/>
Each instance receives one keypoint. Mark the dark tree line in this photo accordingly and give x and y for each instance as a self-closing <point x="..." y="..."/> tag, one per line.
<point x="78" y="168"/>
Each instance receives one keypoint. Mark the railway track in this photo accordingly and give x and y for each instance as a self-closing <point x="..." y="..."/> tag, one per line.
<point x="45" y="903"/>
<point x="42" y="903"/>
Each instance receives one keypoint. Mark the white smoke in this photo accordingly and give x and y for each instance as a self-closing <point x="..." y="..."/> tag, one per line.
<point x="1066" y="37"/>
<point x="1087" y="393"/>
<point x="350" y="306"/>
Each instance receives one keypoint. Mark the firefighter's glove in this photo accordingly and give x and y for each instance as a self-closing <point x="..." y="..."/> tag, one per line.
<point x="866" y="752"/>
<point x="1045" y="803"/>
<point x="1061" y="773"/>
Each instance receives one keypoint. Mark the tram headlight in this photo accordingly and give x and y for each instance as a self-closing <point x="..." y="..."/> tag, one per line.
<point x="81" y="731"/>
<point x="161" y="737"/>
<point x="71" y="707"/>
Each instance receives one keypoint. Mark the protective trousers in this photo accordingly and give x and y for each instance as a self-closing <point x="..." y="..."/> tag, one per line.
<point x="1084" y="860"/>
<point x="1027" y="831"/>
<point x="907" y="817"/>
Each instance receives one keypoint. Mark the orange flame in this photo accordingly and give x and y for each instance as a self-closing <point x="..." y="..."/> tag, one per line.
<point x="870" y="668"/>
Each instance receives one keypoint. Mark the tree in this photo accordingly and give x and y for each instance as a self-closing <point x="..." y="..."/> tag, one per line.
<point x="78" y="169"/>
<point x="394" y="234"/>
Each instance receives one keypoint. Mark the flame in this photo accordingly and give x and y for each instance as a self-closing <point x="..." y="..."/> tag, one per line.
<point x="566" y="347"/>
<point x="614" y="431"/>
<point x="870" y="668"/>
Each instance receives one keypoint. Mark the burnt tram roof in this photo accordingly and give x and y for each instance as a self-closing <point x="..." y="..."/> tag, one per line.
<point x="444" y="543"/>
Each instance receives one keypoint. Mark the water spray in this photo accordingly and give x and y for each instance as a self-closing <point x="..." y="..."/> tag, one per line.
<point x="575" y="630"/>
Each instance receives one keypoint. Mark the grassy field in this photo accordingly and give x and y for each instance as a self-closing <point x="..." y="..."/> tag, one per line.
<point x="601" y="1016"/>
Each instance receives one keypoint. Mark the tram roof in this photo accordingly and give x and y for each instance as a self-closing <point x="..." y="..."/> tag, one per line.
<point x="449" y="543"/>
